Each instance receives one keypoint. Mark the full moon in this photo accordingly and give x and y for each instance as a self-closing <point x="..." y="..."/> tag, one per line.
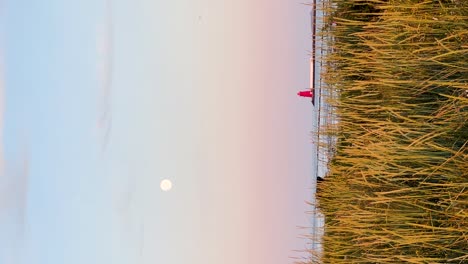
<point x="166" y="185"/>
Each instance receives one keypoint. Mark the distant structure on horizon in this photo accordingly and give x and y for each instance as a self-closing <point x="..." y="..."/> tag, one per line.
<point x="313" y="24"/>
<point x="310" y="93"/>
<point x="307" y="93"/>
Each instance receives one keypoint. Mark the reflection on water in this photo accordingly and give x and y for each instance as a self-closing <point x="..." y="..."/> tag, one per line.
<point x="324" y="119"/>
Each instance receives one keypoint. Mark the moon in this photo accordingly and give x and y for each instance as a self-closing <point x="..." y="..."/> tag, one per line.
<point x="166" y="185"/>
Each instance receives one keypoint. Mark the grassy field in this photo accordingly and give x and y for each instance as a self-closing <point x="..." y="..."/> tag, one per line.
<point x="397" y="189"/>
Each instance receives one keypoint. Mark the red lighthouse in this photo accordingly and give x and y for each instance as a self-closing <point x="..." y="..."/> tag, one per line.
<point x="307" y="93"/>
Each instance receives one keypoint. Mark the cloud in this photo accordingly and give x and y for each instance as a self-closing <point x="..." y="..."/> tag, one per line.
<point x="2" y="110"/>
<point x="14" y="182"/>
<point x="104" y="49"/>
<point x="14" y="178"/>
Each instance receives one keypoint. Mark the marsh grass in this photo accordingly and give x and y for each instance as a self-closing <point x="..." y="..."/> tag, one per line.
<point x="397" y="189"/>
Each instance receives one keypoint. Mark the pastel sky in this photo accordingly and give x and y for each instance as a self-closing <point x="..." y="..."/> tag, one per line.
<point x="100" y="100"/>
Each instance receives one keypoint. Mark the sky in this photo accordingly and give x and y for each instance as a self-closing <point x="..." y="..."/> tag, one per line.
<point x="100" y="100"/>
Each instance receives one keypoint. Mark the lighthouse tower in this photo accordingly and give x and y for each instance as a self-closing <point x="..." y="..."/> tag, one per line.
<point x="310" y="93"/>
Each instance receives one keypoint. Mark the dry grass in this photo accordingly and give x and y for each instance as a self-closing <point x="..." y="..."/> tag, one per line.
<point x="397" y="189"/>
